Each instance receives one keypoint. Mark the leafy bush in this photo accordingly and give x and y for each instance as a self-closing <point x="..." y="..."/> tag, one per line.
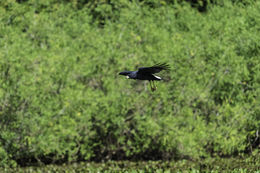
<point x="61" y="99"/>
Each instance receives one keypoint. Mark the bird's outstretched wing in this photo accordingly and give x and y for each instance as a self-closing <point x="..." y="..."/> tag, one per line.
<point x="154" y="69"/>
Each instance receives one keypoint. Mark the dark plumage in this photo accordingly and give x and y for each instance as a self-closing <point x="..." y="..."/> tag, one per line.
<point x="147" y="73"/>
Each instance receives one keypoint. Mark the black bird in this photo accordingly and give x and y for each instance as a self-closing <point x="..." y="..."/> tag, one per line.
<point x="147" y="73"/>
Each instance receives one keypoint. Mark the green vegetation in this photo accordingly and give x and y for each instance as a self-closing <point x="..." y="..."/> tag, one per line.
<point x="61" y="99"/>
<point x="182" y="166"/>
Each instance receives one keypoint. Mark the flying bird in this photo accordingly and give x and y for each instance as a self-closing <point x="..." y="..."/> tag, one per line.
<point x="147" y="73"/>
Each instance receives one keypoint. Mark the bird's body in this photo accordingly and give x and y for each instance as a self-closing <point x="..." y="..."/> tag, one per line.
<point x="146" y="73"/>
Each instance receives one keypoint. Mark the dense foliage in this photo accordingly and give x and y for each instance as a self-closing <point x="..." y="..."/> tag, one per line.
<point x="210" y="165"/>
<point x="61" y="99"/>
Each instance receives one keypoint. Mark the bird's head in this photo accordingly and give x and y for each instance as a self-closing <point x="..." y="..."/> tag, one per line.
<point x="125" y="73"/>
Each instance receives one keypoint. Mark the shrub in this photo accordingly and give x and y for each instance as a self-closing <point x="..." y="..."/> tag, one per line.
<point x="61" y="99"/>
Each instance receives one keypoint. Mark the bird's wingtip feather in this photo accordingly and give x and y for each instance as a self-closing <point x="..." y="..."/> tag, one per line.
<point x="163" y="65"/>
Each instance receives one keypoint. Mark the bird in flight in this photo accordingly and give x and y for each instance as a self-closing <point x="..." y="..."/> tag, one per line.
<point x="147" y="73"/>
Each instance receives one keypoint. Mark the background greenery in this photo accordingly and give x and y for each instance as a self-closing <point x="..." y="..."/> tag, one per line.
<point x="220" y="165"/>
<point x="61" y="99"/>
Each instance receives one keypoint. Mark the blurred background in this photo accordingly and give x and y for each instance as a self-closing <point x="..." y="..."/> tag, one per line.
<point x="62" y="100"/>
